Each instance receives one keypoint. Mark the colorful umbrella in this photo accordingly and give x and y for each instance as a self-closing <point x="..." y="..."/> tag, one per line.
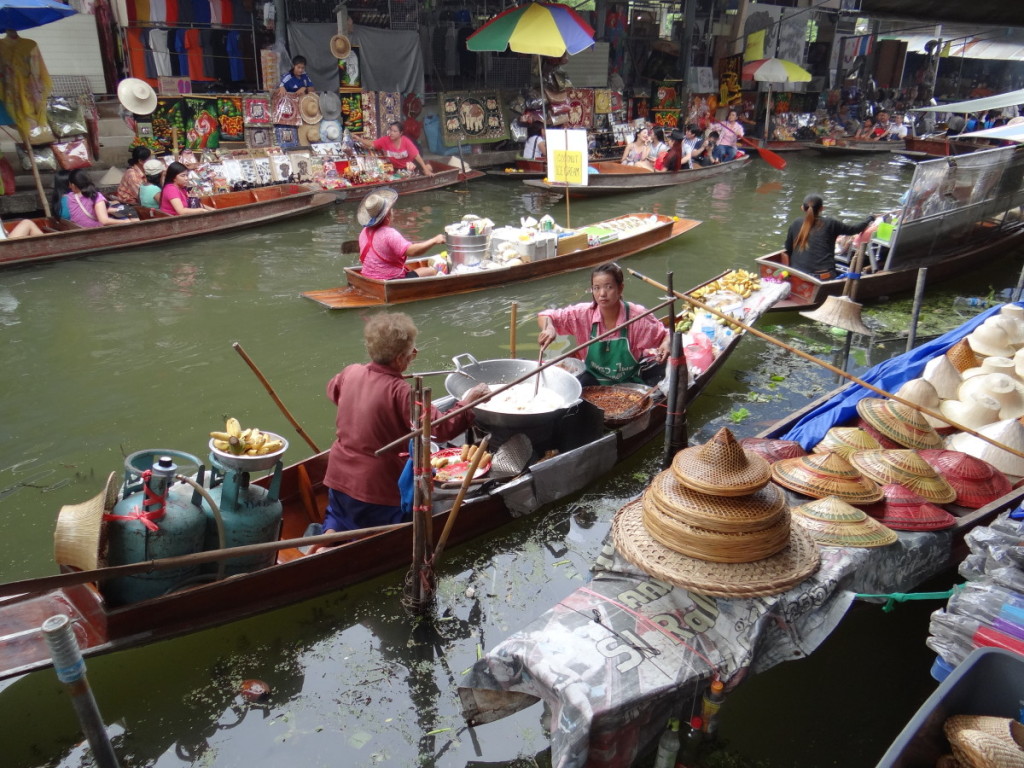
<point x="26" y="14"/>
<point x="773" y="71"/>
<point x="542" y="29"/>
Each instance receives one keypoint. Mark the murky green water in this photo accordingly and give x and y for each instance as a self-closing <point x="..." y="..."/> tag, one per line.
<point x="107" y="355"/>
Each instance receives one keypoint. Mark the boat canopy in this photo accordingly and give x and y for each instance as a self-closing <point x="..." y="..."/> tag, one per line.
<point x="1000" y="101"/>
<point x="1007" y="132"/>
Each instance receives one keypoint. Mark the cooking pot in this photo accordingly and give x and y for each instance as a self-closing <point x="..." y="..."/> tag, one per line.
<point x="498" y="372"/>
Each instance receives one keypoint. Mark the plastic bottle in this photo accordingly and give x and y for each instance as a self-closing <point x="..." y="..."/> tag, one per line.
<point x="691" y="744"/>
<point x="668" y="745"/>
<point x="970" y="301"/>
<point x="713" y="698"/>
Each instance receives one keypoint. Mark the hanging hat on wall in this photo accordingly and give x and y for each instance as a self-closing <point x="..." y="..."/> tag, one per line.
<point x="340" y="46"/>
<point x="137" y="96"/>
<point x="330" y="130"/>
<point x="309" y="133"/>
<point x="309" y="108"/>
<point x="330" y="105"/>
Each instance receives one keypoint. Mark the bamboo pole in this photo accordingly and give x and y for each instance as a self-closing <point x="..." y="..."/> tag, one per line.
<point x="842" y="374"/>
<point x="35" y="174"/>
<point x="512" y="331"/>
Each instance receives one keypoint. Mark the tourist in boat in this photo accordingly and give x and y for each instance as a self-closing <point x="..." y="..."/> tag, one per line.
<point x="24" y="228"/>
<point x="637" y="354"/>
<point x="638" y="150"/>
<point x="134" y="177"/>
<point x="87" y="207"/>
<point x="58" y="195"/>
<point x="672" y="160"/>
<point x="383" y="250"/>
<point x="398" y="148"/>
<point x="173" y="195"/>
<point x="729" y="133"/>
<point x="658" y="146"/>
<point x="534" y="148"/>
<point x="149" y="192"/>
<point x="694" y="148"/>
<point x="864" y="132"/>
<point x="373" y="411"/>
<point x="296" y="81"/>
<point x="811" y="240"/>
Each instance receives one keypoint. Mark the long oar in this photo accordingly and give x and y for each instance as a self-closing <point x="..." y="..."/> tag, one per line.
<point x="274" y="397"/>
<point x="774" y="160"/>
<point x="842" y="374"/>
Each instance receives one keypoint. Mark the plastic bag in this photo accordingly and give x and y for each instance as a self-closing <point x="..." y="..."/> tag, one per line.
<point x="65" y="118"/>
<point x="45" y="160"/>
<point x="72" y="154"/>
<point x="40" y="134"/>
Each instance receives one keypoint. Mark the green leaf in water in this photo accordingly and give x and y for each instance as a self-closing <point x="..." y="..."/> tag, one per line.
<point x="738" y="415"/>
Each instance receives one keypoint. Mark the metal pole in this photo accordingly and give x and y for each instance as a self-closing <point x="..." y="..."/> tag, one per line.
<point x="671" y="307"/>
<point x="922" y="279"/>
<point x="846" y="356"/>
<point x="70" y="668"/>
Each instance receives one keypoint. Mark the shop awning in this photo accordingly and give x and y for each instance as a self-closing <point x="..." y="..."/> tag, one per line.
<point x="963" y="47"/>
<point x="1000" y="101"/>
<point x="1005" y="132"/>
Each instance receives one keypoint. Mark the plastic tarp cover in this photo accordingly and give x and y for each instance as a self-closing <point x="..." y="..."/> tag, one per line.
<point x="999" y="101"/>
<point x="1005" y="132"/>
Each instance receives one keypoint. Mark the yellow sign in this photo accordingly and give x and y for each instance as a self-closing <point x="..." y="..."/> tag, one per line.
<point x="568" y="166"/>
<point x="755" y="46"/>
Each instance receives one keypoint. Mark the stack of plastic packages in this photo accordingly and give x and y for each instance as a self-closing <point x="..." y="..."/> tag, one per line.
<point x="989" y="609"/>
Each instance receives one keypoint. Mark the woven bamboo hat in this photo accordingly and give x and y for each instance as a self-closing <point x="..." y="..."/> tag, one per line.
<point x="1006" y="390"/>
<point x="845" y="441"/>
<point x="309" y="133"/>
<point x="990" y="341"/>
<point x="80" y="540"/>
<point x="826" y="474"/>
<point x="759" y="510"/>
<point x="1008" y="432"/>
<point x="906" y="468"/>
<point x="834" y="523"/>
<point x="975" y="748"/>
<point x="976" y="411"/>
<point x="975" y="481"/>
<point x="840" y="312"/>
<point x="904" y="510"/>
<point x="898" y="422"/>
<point x="1002" y="365"/>
<point x="962" y="356"/>
<point x="943" y="375"/>
<point x="309" y="108"/>
<point x="137" y="96"/>
<point x="771" y="449"/>
<point x="768" y="576"/>
<point x="922" y="393"/>
<point x="721" y="467"/>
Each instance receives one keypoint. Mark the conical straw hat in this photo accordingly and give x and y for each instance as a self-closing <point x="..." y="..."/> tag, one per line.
<point x="835" y="523"/>
<point x="840" y="312"/>
<point x="721" y="467"/>
<point x="882" y="440"/>
<point x="845" y="441"/>
<point x="906" y="468"/>
<point x="990" y="341"/>
<point x="898" y="422"/>
<point x="975" y="481"/>
<point x="962" y="356"/>
<point x="826" y="474"/>
<point x="943" y="375"/>
<point x="80" y="539"/>
<point x="921" y="392"/>
<point x="977" y="411"/>
<point x="769" y="576"/>
<point x="904" y="510"/>
<point x="759" y="510"/>
<point x="771" y="449"/>
<point x="1008" y="432"/>
<point x="1006" y="390"/>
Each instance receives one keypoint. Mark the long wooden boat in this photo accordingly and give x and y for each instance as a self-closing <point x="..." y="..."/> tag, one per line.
<point x="62" y="239"/>
<point x="930" y="147"/>
<point x="364" y="292"/>
<point x="523" y="169"/>
<point x="855" y="147"/>
<point x="615" y="178"/>
<point x="776" y="146"/>
<point x="296" y="576"/>
<point x="444" y="176"/>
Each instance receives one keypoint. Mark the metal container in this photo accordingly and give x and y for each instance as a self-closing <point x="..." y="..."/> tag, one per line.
<point x="468" y="250"/>
<point x="498" y="372"/>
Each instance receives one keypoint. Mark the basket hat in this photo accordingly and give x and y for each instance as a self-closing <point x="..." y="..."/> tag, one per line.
<point x="759" y="510"/>
<point x="341" y="46"/>
<point x="943" y="375"/>
<point x="826" y="474"/>
<point x="1008" y="432"/>
<point x="797" y="561"/>
<point x="771" y="449"/>
<point x="375" y="206"/>
<point x="898" y="422"/>
<point x="840" y="312"/>
<point x="922" y="393"/>
<point x="137" y="96"/>
<point x="330" y="105"/>
<point x="962" y="356"/>
<point x="976" y="411"/>
<point x="309" y="108"/>
<point x="834" y="523"/>
<point x="975" y="481"/>
<point x="906" y="468"/>
<point x="904" y="510"/>
<point x="846" y="440"/>
<point x="309" y="133"/>
<point x="721" y="467"/>
<point x="330" y="130"/>
<point x="975" y="748"/>
<point x="1005" y="390"/>
<point x="80" y="539"/>
<point x="990" y="341"/>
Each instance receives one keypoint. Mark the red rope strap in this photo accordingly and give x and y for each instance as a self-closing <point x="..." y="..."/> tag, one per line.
<point x="150" y="497"/>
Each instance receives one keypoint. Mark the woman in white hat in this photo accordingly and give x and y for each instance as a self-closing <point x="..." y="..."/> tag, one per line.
<point x="398" y="148"/>
<point x="383" y="250"/>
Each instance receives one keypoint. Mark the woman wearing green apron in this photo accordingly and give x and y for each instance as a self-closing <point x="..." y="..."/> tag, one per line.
<point x="636" y="354"/>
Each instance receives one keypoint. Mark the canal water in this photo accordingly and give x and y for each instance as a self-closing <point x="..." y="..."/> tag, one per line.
<point x="107" y="355"/>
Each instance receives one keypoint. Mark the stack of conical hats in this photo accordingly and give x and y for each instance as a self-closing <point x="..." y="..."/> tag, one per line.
<point x="899" y="423"/>
<point x="835" y="523"/>
<point x="975" y="481"/>
<point x="826" y="474"/>
<point x="903" y="510"/>
<point x="714" y="524"/>
<point x="846" y="441"/>
<point x="906" y="468"/>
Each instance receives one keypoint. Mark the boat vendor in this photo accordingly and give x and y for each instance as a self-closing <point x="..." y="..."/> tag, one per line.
<point x="534" y="148"/>
<point x="382" y="249"/>
<point x="811" y="240"/>
<point x="296" y="81"/>
<point x="373" y="411"/>
<point x="637" y="354"/>
<point x="398" y="148"/>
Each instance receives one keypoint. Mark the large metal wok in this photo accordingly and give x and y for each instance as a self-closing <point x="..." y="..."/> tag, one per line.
<point x="497" y="372"/>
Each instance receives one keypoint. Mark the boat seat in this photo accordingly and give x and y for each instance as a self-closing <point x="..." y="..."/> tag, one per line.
<point x="146" y="214"/>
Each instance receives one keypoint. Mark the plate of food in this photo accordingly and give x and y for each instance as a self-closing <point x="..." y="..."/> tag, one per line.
<point x="452" y="464"/>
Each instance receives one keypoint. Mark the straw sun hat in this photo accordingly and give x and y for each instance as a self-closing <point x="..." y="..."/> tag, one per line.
<point x="309" y="109"/>
<point x="975" y="481"/>
<point x="834" y="523"/>
<point x="826" y="474"/>
<point x="341" y="46"/>
<point x="975" y="411"/>
<point x="375" y="206"/>
<point x="906" y="468"/>
<point x="79" y="540"/>
<point x="137" y="96"/>
<point x="721" y="467"/>
<point x="899" y="423"/>
<point x="990" y="341"/>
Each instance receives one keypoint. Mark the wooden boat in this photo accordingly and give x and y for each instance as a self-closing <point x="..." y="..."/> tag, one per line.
<point x="776" y="146"/>
<point x="368" y="292"/>
<point x="615" y="178"/>
<point x="523" y="169"/>
<point x="930" y="147"/>
<point x="855" y="147"/>
<point x="444" y="176"/>
<point x="296" y="577"/>
<point x="233" y="210"/>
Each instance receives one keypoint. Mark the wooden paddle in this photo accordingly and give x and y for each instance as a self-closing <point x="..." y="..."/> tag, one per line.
<point x="774" y="160"/>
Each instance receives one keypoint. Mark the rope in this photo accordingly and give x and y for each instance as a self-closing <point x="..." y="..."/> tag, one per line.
<point x="150" y="498"/>
<point x="902" y="597"/>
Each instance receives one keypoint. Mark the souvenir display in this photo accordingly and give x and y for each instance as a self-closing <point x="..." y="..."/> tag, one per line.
<point x="232" y="123"/>
<point x="287" y="136"/>
<point x="285" y="109"/>
<point x="473" y="118"/>
<point x="256" y="110"/>
<point x="259" y="138"/>
<point x="202" y="128"/>
<point x="351" y="112"/>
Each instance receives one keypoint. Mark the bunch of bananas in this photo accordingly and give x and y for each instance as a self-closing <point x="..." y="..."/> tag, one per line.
<point x="244" y="442"/>
<point x="739" y="281"/>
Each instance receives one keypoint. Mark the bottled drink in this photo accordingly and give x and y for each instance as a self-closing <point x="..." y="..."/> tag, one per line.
<point x="712" y="702"/>
<point x="970" y="301"/>
<point x="691" y="744"/>
<point x="668" y="746"/>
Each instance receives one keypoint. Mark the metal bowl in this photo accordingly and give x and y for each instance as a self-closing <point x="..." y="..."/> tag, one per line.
<point x="249" y="463"/>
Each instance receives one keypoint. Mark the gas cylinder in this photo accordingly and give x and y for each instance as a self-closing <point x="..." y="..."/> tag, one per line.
<point x="155" y="518"/>
<point x="248" y="514"/>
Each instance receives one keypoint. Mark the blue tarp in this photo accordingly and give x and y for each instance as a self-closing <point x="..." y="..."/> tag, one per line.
<point x="888" y="376"/>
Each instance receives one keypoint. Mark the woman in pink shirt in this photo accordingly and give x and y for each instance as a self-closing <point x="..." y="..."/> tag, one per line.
<point x="173" y="198"/>
<point x="729" y="133"/>
<point x="382" y="249"/>
<point x="635" y="354"/>
<point x="399" y="149"/>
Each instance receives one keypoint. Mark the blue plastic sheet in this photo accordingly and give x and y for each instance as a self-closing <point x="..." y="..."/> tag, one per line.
<point x="888" y="376"/>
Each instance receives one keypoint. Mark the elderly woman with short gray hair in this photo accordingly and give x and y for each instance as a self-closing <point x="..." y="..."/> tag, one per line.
<point x="373" y="411"/>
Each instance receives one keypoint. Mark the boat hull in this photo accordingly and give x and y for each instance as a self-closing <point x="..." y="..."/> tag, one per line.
<point x="931" y="147"/>
<point x="444" y="176"/>
<point x="849" y="147"/>
<point x="615" y="178"/>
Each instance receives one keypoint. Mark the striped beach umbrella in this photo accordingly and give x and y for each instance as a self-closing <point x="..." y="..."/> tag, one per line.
<point x="541" y="29"/>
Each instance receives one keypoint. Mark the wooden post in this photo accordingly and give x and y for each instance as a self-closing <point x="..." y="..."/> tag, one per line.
<point x="512" y="331"/>
<point x="412" y="580"/>
<point x="676" y="369"/>
<point x="915" y="315"/>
